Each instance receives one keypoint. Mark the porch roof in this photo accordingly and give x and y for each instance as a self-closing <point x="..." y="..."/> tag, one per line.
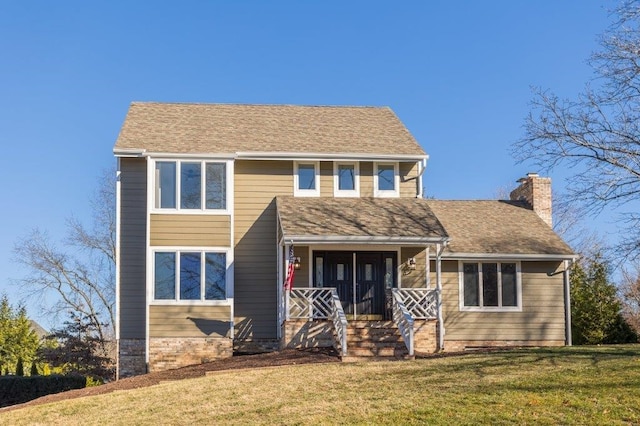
<point x="406" y="221"/>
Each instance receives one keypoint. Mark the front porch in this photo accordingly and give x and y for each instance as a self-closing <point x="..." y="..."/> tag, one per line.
<point x="315" y="318"/>
<point x="345" y="261"/>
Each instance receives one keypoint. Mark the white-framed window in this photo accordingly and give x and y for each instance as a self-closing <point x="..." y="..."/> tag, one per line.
<point x="346" y="179"/>
<point x="190" y="276"/>
<point x="191" y="185"/>
<point x="386" y="180"/>
<point x="490" y="286"/>
<point x="306" y="179"/>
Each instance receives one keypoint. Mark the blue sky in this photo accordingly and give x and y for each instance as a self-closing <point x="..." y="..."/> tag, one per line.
<point x="458" y="74"/>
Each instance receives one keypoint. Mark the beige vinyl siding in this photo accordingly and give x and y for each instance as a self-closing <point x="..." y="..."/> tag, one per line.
<point x="542" y="316"/>
<point x="133" y="240"/>
<point x="326" y="179"/>
<point x="366" y="179"/>
<point x="256" y="185"/>
<point x="301" y="276"/>
<point x="416" y="278"/>
<point x="189" y="321"/>
<point x="190" y="230"/>
<point x="408" y="179"/>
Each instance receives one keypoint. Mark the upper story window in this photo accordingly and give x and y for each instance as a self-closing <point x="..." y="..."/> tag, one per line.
<point x="346" y="180"/>
<point x="306" y="179"/>
<point x="189" y="276"/>
<point x="490" y="286"/>
<point x="386" y="180"/>
<point x="190" y="185"/>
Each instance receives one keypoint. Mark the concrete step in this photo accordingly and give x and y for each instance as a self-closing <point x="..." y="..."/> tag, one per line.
<point x="369" y="345"/>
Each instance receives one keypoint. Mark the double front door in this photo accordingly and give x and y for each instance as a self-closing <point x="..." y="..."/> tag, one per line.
<point x="361" y="279"/>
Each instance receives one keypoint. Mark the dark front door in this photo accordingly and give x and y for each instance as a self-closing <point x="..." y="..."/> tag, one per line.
<point x="375" y="272"/>
<point x="338" y="273"/>
<point x="369" y="288"/>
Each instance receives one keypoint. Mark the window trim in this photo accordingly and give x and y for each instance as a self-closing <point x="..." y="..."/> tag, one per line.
<point x="386" y="193"/>
<point x="203" y="188"/>
<point x="228" y="279"/>
<point x="479" y="262"/>
<point x="297" y="192"/>
<point x="336" y="180"/>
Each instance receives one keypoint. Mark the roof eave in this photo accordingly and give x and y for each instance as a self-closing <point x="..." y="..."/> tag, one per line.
<point x="129" y="152"/>
<point x="337" y="239"/>
<point x="510" y="256"/>
<point x="318" y="156"/>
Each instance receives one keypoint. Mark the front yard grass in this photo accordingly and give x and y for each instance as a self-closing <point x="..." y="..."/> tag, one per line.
<point x="577" y="385"/>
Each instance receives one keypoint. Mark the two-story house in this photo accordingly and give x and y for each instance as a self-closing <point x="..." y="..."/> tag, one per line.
<point x="256" y="227"/>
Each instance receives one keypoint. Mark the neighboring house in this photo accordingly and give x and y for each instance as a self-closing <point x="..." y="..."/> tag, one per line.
<point x="219" y="204"/>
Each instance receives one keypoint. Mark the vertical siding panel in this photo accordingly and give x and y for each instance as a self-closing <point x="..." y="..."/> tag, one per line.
<point x="326" y="179"/>
<point x="257" y="183"/>
<point x="408" y="181"/>
<point x="133" y="240"/>
<point x="366" y="179"/>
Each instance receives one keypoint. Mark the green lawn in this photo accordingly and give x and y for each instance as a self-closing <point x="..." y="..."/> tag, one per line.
<point x="579" y="385"/>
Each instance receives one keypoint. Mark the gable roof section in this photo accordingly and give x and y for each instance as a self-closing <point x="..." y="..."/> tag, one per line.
<point x="337" y="220"/>
<point x="230" y="129"/>
<point x="497" y="227"/>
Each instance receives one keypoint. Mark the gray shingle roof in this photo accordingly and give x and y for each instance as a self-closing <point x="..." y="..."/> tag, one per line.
<point x="496" y="227"/>
<point x="358" y="219"/>
<point x="227" y="128"/>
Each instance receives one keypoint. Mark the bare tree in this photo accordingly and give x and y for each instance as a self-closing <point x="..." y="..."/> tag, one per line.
<point x="81" y="271"/>
<point x="630" y="298"/>
<point x="597" y="135"/>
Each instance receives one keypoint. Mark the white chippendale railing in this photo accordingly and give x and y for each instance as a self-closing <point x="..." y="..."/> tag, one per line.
<point x="403" y="319"/>
<point x="422" y="303"/>
<point x="319" y="303"/>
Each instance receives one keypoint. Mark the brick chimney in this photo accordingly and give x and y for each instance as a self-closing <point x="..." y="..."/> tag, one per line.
<point x="536" y="191"/>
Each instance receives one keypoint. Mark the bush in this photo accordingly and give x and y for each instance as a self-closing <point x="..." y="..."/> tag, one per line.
<point x="19" y="389"/>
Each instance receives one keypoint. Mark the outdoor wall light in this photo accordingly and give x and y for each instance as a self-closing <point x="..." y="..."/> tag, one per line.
<point x="411" y="263"/>
<point x="296" y="263"/>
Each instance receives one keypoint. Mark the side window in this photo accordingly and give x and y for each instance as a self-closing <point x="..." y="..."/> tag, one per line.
<point x="386" y="180"/>
<point x="346" y="180"/>
<point x="306" y="179"/>
<point x="490" y="286"/>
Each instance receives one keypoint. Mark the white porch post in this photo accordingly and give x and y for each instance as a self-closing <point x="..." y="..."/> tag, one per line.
<point x="439" y="293"/>
<point x="287" y="292"/>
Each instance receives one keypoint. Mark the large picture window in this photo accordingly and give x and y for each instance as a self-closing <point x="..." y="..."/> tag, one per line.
<point x="190" y="185"/>
<point x="189" y="276"/>
<point x="490" y="286"/>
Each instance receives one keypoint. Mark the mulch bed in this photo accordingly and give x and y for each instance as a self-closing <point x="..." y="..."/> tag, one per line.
<point x="270" y="359"/>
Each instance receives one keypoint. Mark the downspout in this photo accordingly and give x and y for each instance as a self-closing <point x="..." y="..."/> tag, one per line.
<point x="422" y="166"/>
<point x="441" y="331"/>
<point x="567" y="301"/>
<point x="118" y="203"/>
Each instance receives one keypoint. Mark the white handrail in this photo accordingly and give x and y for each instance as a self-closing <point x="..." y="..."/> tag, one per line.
<point x="319" y="303"/>
<point x="403" y="319"/>
<point x="422" y="303"/>
<point x="339" y="322"/>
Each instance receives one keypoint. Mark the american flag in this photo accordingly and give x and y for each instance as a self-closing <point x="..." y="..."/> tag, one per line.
<point x="288" y="281"/>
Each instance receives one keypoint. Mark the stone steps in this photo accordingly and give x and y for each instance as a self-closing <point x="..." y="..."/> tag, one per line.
<point x="374" y="340"/>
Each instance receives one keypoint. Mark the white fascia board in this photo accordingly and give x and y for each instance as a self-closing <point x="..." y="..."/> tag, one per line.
<point x="194" y="155"/>
<point x="312" y="156"/>
<point x="337" y="239"/>
<point x="508" y="256"/>
<point x="128" y="152"/>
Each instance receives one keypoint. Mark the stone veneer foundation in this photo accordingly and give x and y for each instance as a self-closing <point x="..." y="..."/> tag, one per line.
<point x="166" y="353"/>
<point x="131" y="360"/>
